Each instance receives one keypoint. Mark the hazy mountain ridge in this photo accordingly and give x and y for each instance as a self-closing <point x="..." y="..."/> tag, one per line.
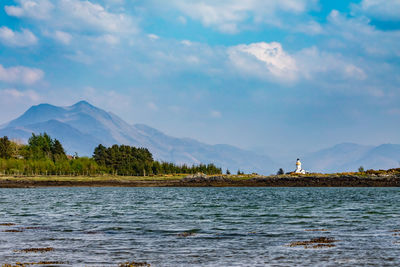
<point x="81" y="127"/>
<point x="347" y="157"/>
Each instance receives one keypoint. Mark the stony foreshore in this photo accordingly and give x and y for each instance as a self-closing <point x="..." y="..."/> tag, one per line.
<point x="214" y="181"/>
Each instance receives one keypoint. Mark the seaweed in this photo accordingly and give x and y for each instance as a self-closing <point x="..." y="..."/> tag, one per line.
<point x="35" y="250"/>
<point x="24" y="264"/>
<point x="318" y="242"/>
<point x="186" y="234"/>
<point x="134" y="264"/>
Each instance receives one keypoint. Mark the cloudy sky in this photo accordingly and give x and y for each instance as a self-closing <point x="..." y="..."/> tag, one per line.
<point x="282" y="77"/>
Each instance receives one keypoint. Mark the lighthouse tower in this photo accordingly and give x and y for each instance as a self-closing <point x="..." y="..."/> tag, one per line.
<point x="298" y="167"/>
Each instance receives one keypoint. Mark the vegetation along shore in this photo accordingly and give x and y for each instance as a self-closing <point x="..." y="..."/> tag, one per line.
<point x="43" y="163"/>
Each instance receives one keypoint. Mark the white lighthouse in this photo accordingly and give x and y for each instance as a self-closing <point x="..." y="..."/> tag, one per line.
<point x="298" y="167"/>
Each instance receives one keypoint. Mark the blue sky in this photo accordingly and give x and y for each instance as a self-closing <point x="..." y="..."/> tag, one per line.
<point x="282" y="77"/>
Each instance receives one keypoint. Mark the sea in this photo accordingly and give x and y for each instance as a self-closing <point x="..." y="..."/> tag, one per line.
<point x="109" y="226"/>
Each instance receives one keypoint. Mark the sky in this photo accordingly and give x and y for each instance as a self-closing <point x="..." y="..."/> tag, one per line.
<point x="279" y="77"/>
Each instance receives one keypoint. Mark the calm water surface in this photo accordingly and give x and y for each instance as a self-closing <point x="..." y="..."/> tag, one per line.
<point x="231" y="226"/>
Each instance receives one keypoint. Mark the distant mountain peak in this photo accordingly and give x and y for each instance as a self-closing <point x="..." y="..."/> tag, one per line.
<point x="82" y="103"/>
<point x="43" y="105"/>
<point x="82" y="126"/>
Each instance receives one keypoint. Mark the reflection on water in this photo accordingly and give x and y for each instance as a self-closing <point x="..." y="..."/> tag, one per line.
<point x="201" y="226"/>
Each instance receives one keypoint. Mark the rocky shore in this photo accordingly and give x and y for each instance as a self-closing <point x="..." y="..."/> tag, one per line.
<point x="297" y="181"/>
<point x="200" y="180"/>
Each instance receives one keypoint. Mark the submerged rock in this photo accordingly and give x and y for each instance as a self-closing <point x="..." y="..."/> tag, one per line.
<point x="24" y="264"/>
<point x="186" y="234"/>
<point x="134" y="264"/>
<point x="318" y="242"/>
<point x="35" y="250"/>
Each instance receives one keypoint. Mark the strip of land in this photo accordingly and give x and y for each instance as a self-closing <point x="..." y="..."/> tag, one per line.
<point x="307" y="180"/>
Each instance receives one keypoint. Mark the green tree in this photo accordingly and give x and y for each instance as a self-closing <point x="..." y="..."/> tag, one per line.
<point x="5" y="148"/>
<point x="57" y="149"/>
<point x="39" y="146"/>
<point x="361" y="169"/>
<point x="280" y="172"/>
<point x="100" y="154"/>
<point x="127" y="160"/>
<point x="42" y="146"/>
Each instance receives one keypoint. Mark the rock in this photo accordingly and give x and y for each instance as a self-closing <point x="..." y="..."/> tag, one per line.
<point x="186" y="234"/>
<point x="35" y="250"/>
<point x="201" y="178"/>
<point x="318" y="242"/>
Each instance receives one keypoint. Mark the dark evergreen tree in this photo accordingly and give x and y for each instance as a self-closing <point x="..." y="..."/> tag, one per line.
<point x="57" y="151"/>
<point x="5" y="148"/>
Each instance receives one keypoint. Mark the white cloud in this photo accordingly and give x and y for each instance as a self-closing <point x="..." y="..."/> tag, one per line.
<point x="359" y="35"/>
<point x="355" y="72"/>
<point x="314" y="63"/>
<point x="228" y="15"/>
<point x="36" y="9"/>
<point x="276" y="63"/>
<point x="74" y="15"/>
<point x="95" y="16"/>
<point x="17" y="39"/>
<point x="63" y="37"/>
<point x="186" y="42"/>
<point x="192" y="59"/>
<point x="108" y="39"/>
<point x="15" y="94"/>
<point x="153" y="36"/>
<point x="381" y="9"/>
<point x="182" y="19"/>
<point x="269" y="61"/>
<point x="311" y="28"/>
<point x="20" y="75"/>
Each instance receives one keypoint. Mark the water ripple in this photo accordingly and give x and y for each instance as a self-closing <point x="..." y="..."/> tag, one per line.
<point x="200" y="226"/>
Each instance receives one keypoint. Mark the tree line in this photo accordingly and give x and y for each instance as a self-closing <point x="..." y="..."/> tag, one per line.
<point x="46" y="156"/>
<point x="127" y="160"/>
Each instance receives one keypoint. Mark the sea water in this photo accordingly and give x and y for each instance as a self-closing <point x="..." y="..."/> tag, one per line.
<point x="201" y="226"/>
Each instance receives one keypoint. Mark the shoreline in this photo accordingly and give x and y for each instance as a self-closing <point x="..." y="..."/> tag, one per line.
<point x="205" y="181"/>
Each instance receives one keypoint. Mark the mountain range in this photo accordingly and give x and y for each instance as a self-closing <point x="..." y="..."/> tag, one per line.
<point x="348" y="157"/>
<point x="81" y="127"/>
